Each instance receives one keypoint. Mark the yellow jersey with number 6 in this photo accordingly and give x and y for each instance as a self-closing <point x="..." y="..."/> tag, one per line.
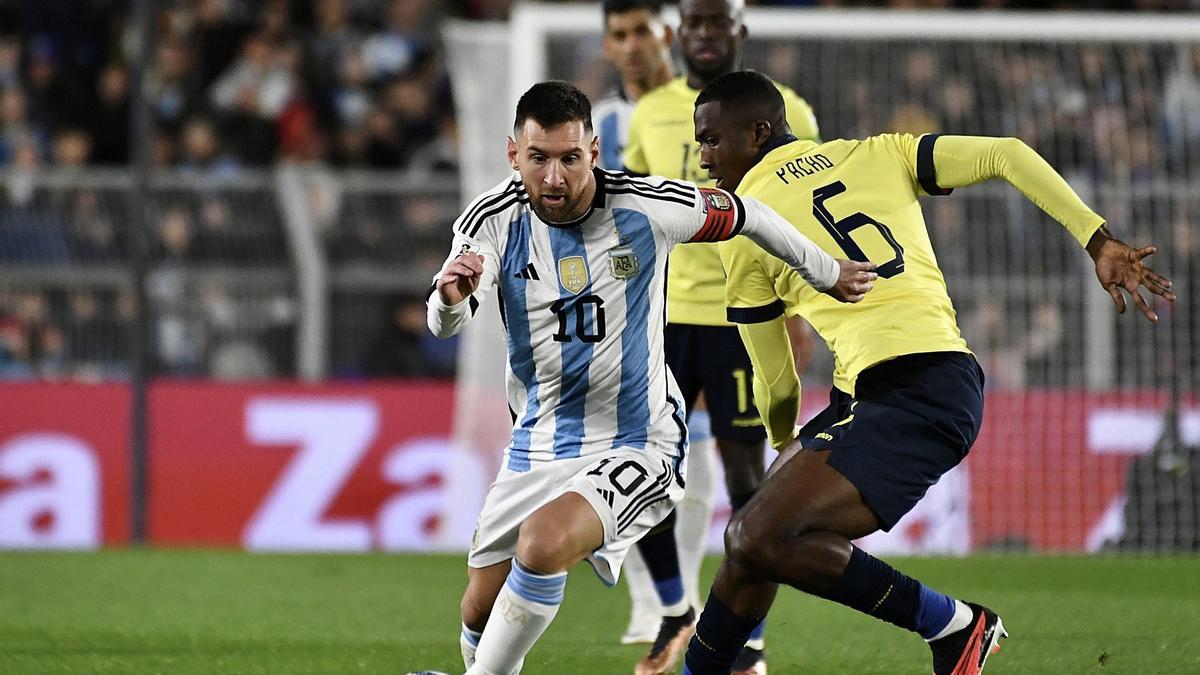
<point x="662" y="142"/>
<point x="857" y="200"/>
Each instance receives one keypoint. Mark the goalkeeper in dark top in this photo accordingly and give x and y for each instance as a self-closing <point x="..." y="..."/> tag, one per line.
<point x="907" y="401"/>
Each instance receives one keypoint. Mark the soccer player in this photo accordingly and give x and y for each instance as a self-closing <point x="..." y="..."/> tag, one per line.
<point x="908" y="397"/>
<point x="637" y="41"/>
<point x="703" y="349"/>
<point x="579" y="256"/>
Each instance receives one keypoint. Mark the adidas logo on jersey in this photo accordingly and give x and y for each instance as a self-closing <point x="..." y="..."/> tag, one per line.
<point x="528" y="273"/>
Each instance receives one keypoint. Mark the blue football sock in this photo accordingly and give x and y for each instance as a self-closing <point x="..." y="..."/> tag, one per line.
<point x="670" y="591"/>
<point x="720" y="636"/>
<point x="873" y="587"/>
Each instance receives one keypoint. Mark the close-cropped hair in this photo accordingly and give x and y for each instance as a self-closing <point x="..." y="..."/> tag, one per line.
<point x="553" y="103"/>
<point x="621" y="6"/>
<point x="745" y="90"/>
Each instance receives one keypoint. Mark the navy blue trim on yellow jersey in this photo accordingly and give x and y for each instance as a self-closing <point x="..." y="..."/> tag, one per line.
<point x="754" y="314"/>
<point x="926" y="171"/>
<point x="773" y="144"/>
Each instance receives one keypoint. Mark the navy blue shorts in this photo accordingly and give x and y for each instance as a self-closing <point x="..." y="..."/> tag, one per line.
<point x="914" y="418"/>
<point x="713" y="360"/>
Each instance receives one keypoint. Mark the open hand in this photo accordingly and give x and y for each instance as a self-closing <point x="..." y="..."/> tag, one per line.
<point x="1120" y="266"/>
<point x="854" y="281"/>
<point x="460" y="278"/>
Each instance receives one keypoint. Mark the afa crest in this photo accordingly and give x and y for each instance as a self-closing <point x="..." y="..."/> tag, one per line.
<point x="573" y="273"/>
<point x="623" y="262"/>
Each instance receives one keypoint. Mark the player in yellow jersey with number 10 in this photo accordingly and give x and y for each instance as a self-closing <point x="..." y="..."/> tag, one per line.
<point x="907" y="401"/>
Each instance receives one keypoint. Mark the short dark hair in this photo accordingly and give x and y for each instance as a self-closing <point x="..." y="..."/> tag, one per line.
<point x="747" y="91"/>
<point x="621" y="6"/>
<point x="553" y="103"/>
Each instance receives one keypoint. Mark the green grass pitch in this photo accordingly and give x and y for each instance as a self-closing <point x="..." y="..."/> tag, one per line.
<point x="141" y="611"/>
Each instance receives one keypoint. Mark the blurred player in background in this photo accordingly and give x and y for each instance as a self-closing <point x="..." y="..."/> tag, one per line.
<point x="908" y="397"/>
<point x="703" y="349"/>
<point x="599" y="438"/>
<point x="638" y="43"/>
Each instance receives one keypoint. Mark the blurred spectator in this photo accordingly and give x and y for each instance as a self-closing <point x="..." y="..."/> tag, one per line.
<point x="10" y="63"/>
<point x="72" y="148"/>
<point x="91" y="335"/>
<point x="352" y="96"/>
<point x="110" y="122"/>
<point x="16" y="128"/>
<point x="218" y="35"/>
<point x="174" y="89"/>
<point x="398" y="351"/>
<point x="94" y="237"/>
<point x="163" y="150"/>
<point x="201" y="150"/>
<point x="384" y="144"/>
<point x="175" y="232"/>
<point x="403" y="40"/>
<point x="54" y="95"/>
<point x="253" y="91"/>
<point x="334" y="37"/>
<point x="15" y="361"/>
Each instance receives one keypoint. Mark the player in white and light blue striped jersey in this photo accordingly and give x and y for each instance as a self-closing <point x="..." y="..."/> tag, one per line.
<point x="577" y="257"/>
<point x="610" y="119"/>
<point x="638" y="43"/>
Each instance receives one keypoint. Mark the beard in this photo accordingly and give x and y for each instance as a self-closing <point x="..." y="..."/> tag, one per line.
<point x="571" y="207"/>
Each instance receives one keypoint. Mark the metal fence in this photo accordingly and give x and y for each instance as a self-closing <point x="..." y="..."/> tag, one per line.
<point x="231" y="271"/>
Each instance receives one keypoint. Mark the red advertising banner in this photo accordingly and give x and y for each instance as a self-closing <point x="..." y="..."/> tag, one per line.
<point x="1048" y="470"/>
<point x="295" y="467"/>
<point x="64" y="465"/>
<point x="355" y="467"/>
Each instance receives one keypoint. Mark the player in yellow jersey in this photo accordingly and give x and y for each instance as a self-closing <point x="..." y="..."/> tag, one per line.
<point x="908" y="396"/>
<point x="703" y="350"/>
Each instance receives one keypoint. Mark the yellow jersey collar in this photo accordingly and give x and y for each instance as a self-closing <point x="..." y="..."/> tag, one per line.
<point x="772" y="153"/>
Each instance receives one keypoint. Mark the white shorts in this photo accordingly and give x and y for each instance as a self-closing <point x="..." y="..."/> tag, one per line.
<point x="631" y="491"/>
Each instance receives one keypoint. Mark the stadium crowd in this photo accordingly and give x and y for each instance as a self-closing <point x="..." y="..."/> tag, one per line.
<point x="241" y="86"/>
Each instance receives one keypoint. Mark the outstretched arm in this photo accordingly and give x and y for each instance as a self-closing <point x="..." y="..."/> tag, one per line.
<point x="953" y="161"/>
<point x="1120" y="266"/>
